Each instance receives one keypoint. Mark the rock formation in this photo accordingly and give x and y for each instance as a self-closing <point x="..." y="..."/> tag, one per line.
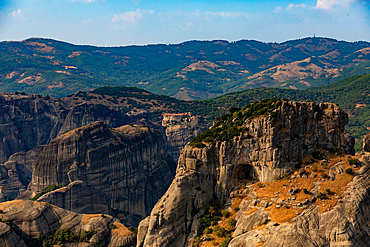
<point x="343" y="224"/>
<point x="269" y="147"/>
<point x="180" y="129"/>
<point x="16" y="173"/>
<point x="26" y="122"/>
<point x="127" y="167"/>
<point x="29" y="121"/>
<point x="27" y="219"/>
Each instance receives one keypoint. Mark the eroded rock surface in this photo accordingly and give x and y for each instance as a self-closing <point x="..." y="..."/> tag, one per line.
<point x="33" y="219"/>
<point x="270" y="147"/>
<point x="16" y="173"/>
<point x="129" y="166"/>
<point x="180" y="129"/>
<point x="344" y="225"/>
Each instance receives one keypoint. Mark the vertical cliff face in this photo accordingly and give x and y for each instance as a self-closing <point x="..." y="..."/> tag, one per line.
<point x="129" y="165"/>
<point x="180" y="129"/>
<point x="16" y="173"/>
<point x="84" y="114"/>
<point x="26" y="122"/>
<point x="267" y="148"/>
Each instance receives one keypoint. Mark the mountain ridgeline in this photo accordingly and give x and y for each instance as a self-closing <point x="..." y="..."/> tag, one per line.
<point x="188" y="71"/>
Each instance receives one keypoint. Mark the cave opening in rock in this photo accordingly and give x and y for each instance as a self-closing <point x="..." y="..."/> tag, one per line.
<point x="245" y="174"/>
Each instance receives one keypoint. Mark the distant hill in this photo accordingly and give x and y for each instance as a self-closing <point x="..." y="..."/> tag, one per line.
<point x="188" y="71"/>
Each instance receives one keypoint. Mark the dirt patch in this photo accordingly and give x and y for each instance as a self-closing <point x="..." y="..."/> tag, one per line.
<point x="201" y="65"/>
<point x="30" y="80"/>
<point x="5" y="205"/>
<point x="121" y="230"/>
<point x="87" y="217"/>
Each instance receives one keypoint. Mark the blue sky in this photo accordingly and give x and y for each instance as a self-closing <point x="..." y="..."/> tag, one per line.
<point x="128" y="22"/>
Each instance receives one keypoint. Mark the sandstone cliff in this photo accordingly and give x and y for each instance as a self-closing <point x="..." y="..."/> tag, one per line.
<point x="16" y="173"/>
<point x="29" y="121"/>
<point x="180" y="129"/>
<point x="127" y="168"/>
<point x="267" y="148"/>
<point x="26" y="220"/>
<point x="26" y="122"/>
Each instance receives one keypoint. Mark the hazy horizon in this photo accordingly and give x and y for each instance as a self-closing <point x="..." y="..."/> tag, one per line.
<point x="141" y="22"/>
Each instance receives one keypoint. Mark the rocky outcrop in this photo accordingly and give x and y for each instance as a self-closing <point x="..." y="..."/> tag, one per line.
<point x="269" y="147"/>
<point x="16" y="173"/>
<point x="84" y="114"/>
<point x="79" y="197"/>
<point x="129" y="166"/>
<point x="26" y="122"/>
<point x="180" y="129"/>
<point x="366" y="144"/>
<point x="32" y="219"/>
<point x="345" y="225"/>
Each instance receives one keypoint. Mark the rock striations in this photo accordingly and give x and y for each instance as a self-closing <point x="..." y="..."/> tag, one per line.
<point x="126" y="168"/>
<point x="25" y="220"/>
<point x="180" y="129"/>
<point x="268" y="147"/>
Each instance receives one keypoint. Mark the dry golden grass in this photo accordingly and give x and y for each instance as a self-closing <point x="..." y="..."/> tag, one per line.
<point x="5" y="205"/>
<point x="284" y="214"/>
<point x="266" y="191"/>
<point x="249" y="212"/>
<point x="87" y="217"/>
<point x="121" y="230"/>
<point x="259" y="244"/>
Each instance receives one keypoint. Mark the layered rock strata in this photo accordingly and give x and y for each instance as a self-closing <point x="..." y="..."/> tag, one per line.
<point x="27" y="121"/>
<point x="180" y="129"/>
<point x="32" y="219"/>
<point x="127" y="167"/>
<point x="270" y="147"/>
<point x="16" y="173"/>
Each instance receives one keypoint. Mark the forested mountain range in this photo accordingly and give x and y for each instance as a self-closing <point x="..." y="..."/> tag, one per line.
<point x="188" y="71"/>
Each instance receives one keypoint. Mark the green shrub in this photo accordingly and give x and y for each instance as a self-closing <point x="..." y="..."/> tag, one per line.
<point x="87" y="235"/>
<point x="329" y="192"/>
<point x="226" y="242"/>
<point x="235" y="209"/>
<point x="322" y="196"/>
<point x="231" y="222"/>
<point x="306" y="191"/>
<point x="225" y="213"/>
<point x="219" y="231"/>
<point x="46" y="190"/>
<point x="317" y="155"/>
<point x="133" y="229"/>
<point x="349" y="171"/>
<point x="207" y="230"/>
<point x="324" y="175"/>
<point x="314" y="168"/>
<point x="196" y="242"/>
<point x="354" y="161"/>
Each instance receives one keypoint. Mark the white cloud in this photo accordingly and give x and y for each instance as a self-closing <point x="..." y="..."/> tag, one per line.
<point x="229" y="14"/>
<point x="85" y="22"/>
<point x="188" y="27"/>
<point x="16" y="13"/>
<point x="327" y="4"/>
<point x="129" y="16"/>
<point x="295" y="6"/>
